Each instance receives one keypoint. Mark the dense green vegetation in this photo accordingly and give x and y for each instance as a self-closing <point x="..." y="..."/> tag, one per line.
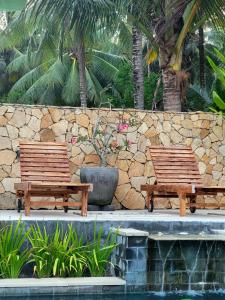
<point x="218" y="105"/>
<point x="151" y="56"/>
<point x="61" y="254"/>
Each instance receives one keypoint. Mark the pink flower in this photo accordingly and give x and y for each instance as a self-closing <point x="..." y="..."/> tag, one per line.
<point x="73" y="140"/>
<point x="122" y="127"/>
<point x="129" y="142"/>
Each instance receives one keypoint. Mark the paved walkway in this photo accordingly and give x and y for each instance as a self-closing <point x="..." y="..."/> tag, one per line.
<point x="122" y="215"/>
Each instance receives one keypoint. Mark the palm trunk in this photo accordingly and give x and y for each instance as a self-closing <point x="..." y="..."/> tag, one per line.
<point x="138" y="77"/>
<point x="201" y="47"/>
<point x="171" y="91"/>
<point x="80" y="53"/>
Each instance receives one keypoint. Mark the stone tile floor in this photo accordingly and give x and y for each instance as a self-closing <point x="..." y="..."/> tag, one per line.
<point x="120" y="215"/>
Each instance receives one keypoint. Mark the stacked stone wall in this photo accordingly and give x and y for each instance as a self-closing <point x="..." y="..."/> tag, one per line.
<point x="205" y="132"/>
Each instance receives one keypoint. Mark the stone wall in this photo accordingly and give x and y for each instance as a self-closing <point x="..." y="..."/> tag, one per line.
<point x="205" y="132"/>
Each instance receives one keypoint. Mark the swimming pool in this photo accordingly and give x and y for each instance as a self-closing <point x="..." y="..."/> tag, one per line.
<point x="149" y="296"/>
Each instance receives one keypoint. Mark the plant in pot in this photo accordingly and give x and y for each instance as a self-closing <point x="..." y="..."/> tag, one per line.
<point x="107" y="138"/>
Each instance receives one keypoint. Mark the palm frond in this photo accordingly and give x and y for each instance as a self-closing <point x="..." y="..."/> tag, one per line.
<point x="214" y="11"/>
<point x="202" y="93"/>
<point x="113" y="59"/>
<point x="71" y="89"/>
<point x="104" y="70"/>
<point x="25" y="82"/>
<point x="94" y="87"/>
<point x="21" y="63"/>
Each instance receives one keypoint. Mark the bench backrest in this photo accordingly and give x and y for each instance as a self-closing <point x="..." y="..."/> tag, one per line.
<point x="45" y="162"/>
<point x="175" y="165"/>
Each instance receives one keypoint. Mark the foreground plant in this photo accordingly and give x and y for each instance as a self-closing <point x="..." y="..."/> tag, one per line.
<point x="64" y="253"/>
<point x="99" y="252"/>
<point x="12" y="256"/>
<point x="59" y="254"/>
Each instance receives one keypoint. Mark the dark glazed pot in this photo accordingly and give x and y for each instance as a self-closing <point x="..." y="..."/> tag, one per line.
<point x="104" y="181"/>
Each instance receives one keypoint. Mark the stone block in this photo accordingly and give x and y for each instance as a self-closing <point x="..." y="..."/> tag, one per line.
<point x="136" y="278"/>
<point x="136" y="169"/>
<point x="19" y="118"/>
<point x="56" y="114"/>
<point x="3" y="132"/>
<point x="36" y="112"/>
<point x="47" y="135"/>
<point x="7" y="201"/>
<point x="7" y="157"/>
<point x="134" y="200"/>
<point x="34" y="124"/>
<point x="60" y="128"/>
<point x="12" y="131"/>
<point x="137" y="266"/>
<point x="131" y="253"/>
<point x="46" y="121"/>
<point x="5" y="143"/>
<point x="3" y="121"/>
<point x="82" y="120"/>
<point x="121" y="191"/>
<point x="137" y="241"/>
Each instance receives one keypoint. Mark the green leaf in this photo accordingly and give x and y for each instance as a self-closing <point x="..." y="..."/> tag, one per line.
<point x="55" y="266"/>
<point x="218" y="101"/>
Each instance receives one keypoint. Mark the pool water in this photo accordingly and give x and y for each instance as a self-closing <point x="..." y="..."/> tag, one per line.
<point x="150" y="296"/>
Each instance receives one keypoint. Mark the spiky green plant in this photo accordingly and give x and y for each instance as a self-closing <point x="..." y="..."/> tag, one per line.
<point x="64" y="253"/>
<point x="99" y="252"/>
<point x="60" y="254"/>
<point x="12" y="255"/>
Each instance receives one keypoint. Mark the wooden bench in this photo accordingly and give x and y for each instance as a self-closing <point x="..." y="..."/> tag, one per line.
<point x="177" y="175"/>
<point x="45" y="173"/>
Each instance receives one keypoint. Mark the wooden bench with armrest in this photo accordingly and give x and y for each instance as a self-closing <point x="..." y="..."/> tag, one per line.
<point x="177" y="176"/>
<point x="45" y="173"/>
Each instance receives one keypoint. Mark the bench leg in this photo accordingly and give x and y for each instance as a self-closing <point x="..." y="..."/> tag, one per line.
<point x="65" y="199"/>
<point x="182" y="198"/>
<point x="84" y="201"/>
<point x="148" y="197"/>
<point x="192" y="201"/>
<point x="27" y="203"/>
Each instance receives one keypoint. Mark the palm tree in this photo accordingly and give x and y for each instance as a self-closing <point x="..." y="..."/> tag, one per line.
<point x="201" y="48"/>
<point x="83" y="18"/>
<point x="172" y="20"/>
<point x="45" y="75"/>
<point x="138" y="76"/>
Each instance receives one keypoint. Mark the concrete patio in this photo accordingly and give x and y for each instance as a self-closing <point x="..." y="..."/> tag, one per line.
<point x="166" y="221"/>
<point x="204" y="215"/>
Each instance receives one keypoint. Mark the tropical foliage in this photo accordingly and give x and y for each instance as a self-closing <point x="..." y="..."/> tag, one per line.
<point x="218" y="93"/>
<point x="61" y="254"/>
<point x="13" y="256"/>
<point x="144" y="53"/>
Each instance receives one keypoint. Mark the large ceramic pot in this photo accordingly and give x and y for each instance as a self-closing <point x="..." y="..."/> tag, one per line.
<point x="104" y="181"/>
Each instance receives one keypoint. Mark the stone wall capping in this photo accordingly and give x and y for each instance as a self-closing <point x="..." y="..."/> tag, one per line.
<point x="130" y="232"/>
<point x="105" y="109"/>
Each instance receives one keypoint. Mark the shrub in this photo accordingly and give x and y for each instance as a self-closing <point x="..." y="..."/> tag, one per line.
<point x="59" y="254"/>
<point x="99" y="252"/>
<point x="12" y="257"/>
<point x="64" y="254"/>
